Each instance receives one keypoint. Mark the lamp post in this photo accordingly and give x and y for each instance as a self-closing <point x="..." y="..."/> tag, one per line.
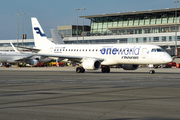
<point x="77" y="23"/>
<point x="176" y="1"/>
<point x="17" y="14"/>
<point x="83" y="22"/>
<point x="22" y="27"/>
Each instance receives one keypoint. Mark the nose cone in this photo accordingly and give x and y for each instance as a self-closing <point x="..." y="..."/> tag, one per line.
<point x="168" y="58"/>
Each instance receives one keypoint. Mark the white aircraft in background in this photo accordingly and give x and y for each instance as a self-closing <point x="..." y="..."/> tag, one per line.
<point x="92" y="57"/>
<point x="12" y="57"/>
<point x="56" y="37"/>
<point x="17" y="57"/>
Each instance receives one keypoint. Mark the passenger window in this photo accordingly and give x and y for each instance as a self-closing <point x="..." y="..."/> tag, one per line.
<point x="153" y="50"/>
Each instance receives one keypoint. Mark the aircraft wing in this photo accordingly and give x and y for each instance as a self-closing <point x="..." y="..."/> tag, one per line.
<point x="73" y="58"/>
<point x="25" y="58"/>
<point x="32" y="49"/>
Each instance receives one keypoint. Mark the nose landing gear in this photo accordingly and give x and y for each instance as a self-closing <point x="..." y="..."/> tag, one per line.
<point x="151" y="71"/>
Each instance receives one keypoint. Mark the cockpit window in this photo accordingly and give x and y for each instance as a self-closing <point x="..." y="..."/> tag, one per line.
<point x="153" y="50"/>
<point x="157" y="50"/>
<point x="160" y="50"/>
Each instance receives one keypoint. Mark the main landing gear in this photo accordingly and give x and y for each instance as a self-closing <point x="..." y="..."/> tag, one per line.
<point x="105" y="69"/>
<point x="151" y="71"/>
<point x="80" y="70"/>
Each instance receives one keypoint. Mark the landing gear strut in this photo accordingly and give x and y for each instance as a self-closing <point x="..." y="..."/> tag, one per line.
<point x="151" y="71"/>
<point x="80" y="70"/>
<point x="105" y="69"/>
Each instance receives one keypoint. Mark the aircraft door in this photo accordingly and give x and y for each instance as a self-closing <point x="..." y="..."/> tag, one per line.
<point x="144" y="52"/>
<point x="51" y="50"/>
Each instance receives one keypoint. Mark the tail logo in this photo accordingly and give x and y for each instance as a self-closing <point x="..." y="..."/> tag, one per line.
<point x="38" y="31"/>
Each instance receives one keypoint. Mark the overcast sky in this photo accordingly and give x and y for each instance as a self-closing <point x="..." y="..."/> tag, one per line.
<point x="51" y="13"/>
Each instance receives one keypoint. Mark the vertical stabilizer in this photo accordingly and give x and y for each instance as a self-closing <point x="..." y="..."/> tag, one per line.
<point x="40" y="38"/>
<point x="56" y="37"/>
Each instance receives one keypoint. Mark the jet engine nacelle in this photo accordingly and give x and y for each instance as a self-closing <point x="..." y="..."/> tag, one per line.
<point x="92" y="64"/>
<point x="129" y="67"/>
<point x="33" y="62"/>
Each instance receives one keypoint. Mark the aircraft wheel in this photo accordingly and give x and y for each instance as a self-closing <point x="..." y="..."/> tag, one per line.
<point x="151" y="71"/>
<point x="105" y="70"/>
<point x="82" y="70"/>
<point x="108" y="70"/>
<point x="78" y="69"/>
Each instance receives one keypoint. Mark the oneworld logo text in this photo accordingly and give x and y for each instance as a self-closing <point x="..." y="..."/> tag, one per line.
<point x="121" y="51"/>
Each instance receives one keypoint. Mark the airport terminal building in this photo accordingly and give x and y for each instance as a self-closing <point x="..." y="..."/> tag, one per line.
<point x="147" y="27"/>
<point x="150" y="27"/>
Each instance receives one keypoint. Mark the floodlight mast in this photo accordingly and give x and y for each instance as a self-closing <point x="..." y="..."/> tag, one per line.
<point x="176" y="1"/>
<point x="77" y="23"/>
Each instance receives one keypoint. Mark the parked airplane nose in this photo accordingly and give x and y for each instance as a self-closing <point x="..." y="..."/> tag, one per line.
<point x="168" y="59"/>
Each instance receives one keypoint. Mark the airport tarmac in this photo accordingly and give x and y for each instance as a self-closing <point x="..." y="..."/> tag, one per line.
<point x="60" y="93"/>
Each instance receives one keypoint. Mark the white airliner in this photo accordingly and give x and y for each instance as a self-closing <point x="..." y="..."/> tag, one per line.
<point x="12" y="57"/>
<point x="17" y="57"/>
<point x="129" y="56"/>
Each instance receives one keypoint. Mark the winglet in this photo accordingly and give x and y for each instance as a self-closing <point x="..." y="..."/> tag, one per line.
<point x="14" y="48"/>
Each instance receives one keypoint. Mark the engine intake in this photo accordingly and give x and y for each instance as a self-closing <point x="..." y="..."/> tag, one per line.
<point x="129" y="67"/>
<point x="92" y="64"/>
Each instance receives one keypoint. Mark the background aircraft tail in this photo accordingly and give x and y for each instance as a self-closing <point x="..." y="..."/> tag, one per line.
<point x="40" y="38"/>
<point x="56" y="37"/>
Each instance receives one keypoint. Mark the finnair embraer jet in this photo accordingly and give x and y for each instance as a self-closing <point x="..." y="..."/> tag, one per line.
<point x="129" y="56"/>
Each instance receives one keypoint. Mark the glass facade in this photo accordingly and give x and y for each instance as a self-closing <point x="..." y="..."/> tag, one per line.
<point x="127" y="40"/>
<point x="66" y="32"/>
<point x="155" y="23"/>
<point x="26" y="44"/>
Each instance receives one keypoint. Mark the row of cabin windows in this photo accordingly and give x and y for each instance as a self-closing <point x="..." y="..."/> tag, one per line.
<point x="76" y="50"/>
<point x="88" y="50"/>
